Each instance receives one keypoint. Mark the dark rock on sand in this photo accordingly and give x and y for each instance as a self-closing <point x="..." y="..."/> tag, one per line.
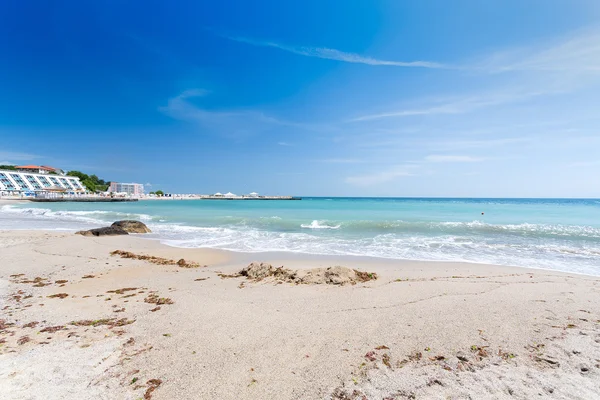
<point x="106" y="231"/>
<point x="132" y="226"/>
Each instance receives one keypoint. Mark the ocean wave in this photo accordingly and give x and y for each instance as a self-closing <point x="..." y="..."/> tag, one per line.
<point x="92" y="216"/>
<point x="320" y="225"/>
<point x="572" y="257"/>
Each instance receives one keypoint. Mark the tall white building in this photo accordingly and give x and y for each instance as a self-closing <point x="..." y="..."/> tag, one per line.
<point x="19" y="182"/>
<point x="132" y="189"/>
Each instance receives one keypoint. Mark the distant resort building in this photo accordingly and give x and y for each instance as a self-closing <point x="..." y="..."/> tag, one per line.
<point x="39" y="169"/>
<point x="132" y="189"/>
<point x="24" y="180"/>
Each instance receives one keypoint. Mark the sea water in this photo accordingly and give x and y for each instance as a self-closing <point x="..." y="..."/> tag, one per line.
<point x="560" y="234"/>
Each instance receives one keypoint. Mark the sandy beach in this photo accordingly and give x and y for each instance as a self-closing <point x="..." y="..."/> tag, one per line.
<point x="80" y="323"/>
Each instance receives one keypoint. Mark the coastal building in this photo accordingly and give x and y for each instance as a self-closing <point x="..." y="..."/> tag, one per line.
<point x="132" y="189"/>
<point x="15" y="182"/>
<point x="39" y="169"/>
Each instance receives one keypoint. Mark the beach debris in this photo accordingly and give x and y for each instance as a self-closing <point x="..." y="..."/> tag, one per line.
<point x="106" y="231"/>
<point x="32" y="324"/>
<point x="153" y="298"/>
<point x="382" y="347"/>
<point x="156" y="260"/>
<point x="110" y="322"/>
<point x="385" y="358"/>
<point x="201" y="279"/>
<point x="53" y="329"/>
<point x="337" y="275"/>
<point x="58" y="295"/>
<point x="61" y="281"/>
<point x="370" y="356"/>
<point x="340" y="394"/>
<point x="153" y="385"/>
<point x="155" y="309"/>
<point x="122" y="291"/>
<point x="131" y="226"/>
<point x="88" y="276"/>
<point x="22" y="340"/>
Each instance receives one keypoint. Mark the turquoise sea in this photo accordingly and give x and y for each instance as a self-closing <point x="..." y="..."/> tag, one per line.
<point x="561" y="234"/>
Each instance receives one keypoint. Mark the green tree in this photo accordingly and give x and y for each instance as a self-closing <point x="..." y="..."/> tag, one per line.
<point x="159" y="193"/>
<point x="8" y="167"/>
<point x="82" y="177"/>
<point x="91" y="182"/>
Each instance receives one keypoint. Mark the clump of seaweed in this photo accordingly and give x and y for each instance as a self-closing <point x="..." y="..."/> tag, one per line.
<point x="123" y="290"/>
<point x="52" y="329"/>
<point x="153" y="384"/>
<point x="58" y="295"/>
<point x="23" y="339"/>
<point x="110" y="322"/>
<point x="156" y="260"/>
<point x="153" y="298"/>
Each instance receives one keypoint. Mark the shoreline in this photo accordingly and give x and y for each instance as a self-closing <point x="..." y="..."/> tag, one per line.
<point x="89" y="323"/>
<point x="293" y="256"/>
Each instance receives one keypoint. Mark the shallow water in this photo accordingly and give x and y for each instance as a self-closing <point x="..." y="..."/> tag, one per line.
<point x="562" y="234"/>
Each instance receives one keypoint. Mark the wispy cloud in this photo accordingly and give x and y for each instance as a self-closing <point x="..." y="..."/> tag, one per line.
<point x="231" y="123"/>
<point x="16" y="156"/>
<point x="379" y="177"/>
<point x="459" y="105"/>
<point x="333" y="54"/>
<point x="341" y="160"/>
<point x="578" y="53"/>
<point x="437" y="158"/>
<point x="284" y="144"/>
<point x="243" y="121"/>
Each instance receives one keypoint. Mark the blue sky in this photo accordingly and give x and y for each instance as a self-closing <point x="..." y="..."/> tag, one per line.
<point x="347" y="98"/>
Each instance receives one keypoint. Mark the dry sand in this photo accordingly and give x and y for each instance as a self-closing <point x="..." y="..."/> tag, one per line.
<point x="421" y="330"/>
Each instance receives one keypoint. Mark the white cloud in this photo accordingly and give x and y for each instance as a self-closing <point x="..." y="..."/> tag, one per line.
<point x="379" y="177"/>
<point x="284" y="144"/>
<point x="333" y="54"/>
<point x="436" y="158"/>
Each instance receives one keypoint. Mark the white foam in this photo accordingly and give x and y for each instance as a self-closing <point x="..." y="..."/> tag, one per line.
<point x="319" y="225"/>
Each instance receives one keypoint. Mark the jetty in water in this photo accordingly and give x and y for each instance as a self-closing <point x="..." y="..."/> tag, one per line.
<point x="247" y="198"/>
<point x="80" y="199"/>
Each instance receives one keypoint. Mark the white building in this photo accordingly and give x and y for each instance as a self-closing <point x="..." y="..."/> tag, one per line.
<point x="20" y="182"/>
<point x="40" y="169"/>
<point x="132" y="189"/>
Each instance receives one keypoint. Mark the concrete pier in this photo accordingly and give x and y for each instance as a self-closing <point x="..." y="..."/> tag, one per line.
<point x="79" y="199"/>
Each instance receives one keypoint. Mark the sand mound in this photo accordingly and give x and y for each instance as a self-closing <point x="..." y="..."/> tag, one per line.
<point x="330" y="276"/>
